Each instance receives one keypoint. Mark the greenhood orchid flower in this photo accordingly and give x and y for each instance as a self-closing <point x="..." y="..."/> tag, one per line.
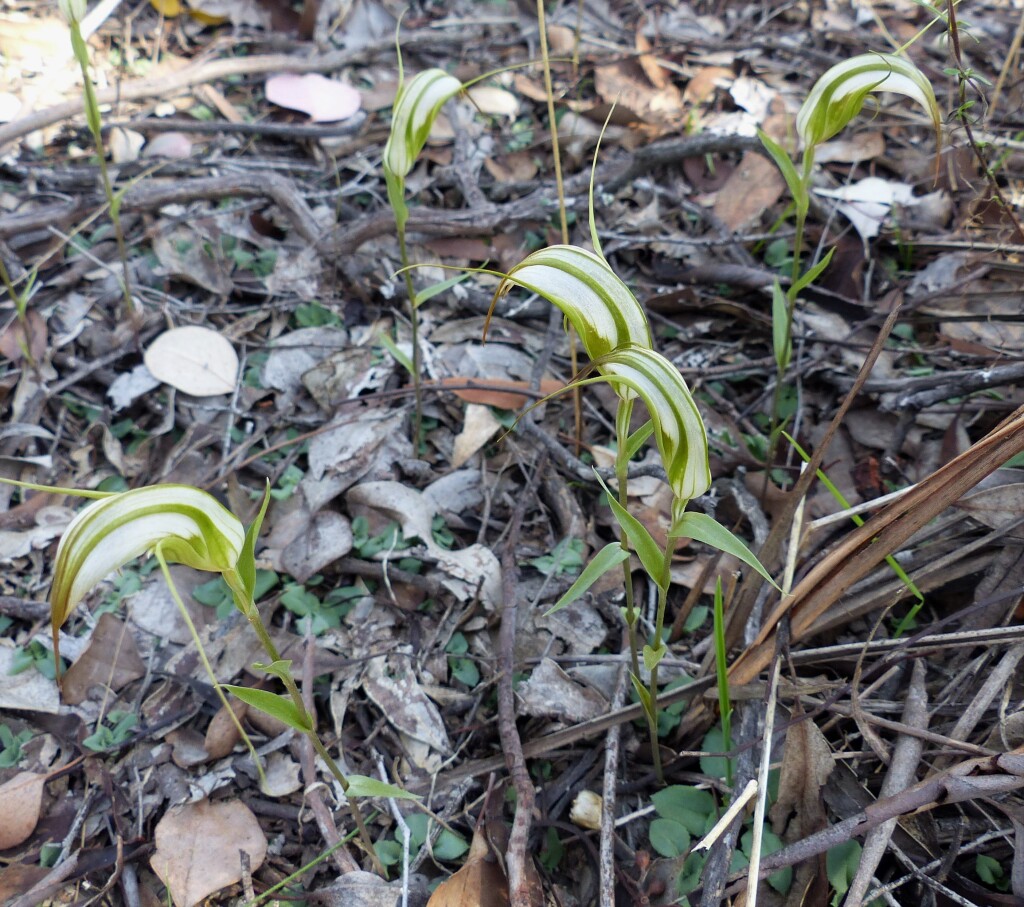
<point x="839" y="94"/>
<point x="678" y="427"/>
<point x="602" y="309"/>
<point x="190" y="526"/>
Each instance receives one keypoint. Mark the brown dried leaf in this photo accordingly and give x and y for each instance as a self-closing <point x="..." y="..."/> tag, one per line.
<point x="22" y="799"/>
<point x="110" y="658"/>
<point x="197" y="848"/>
<point x="997" y="506"/>
<point x="649" y="62"/>
<point x="753" y="187"/>
<point x="806" y="765"/>
<point x="18" y="878"/>
<point x="222" y="733"/>
<point x="326" y="538"/>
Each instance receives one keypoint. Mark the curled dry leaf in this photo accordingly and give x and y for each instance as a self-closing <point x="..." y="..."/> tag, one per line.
<point x="197" y="848"/>
<point x="22" y="798"/>
<point x="194" y="360"/>
<point x="325" y="100"/>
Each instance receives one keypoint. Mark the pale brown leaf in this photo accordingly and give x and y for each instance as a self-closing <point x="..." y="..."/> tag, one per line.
<point x="197" y="848"/>
<point x="22" y="799"/>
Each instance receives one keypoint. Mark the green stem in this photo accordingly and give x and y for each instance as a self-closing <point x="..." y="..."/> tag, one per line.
<point x="92" y="117"/>
<point x="658" y="643"/>
<point x="252" y="614"/>
<point x="194" y="633"/>
<point x="622" y="418"/>
<point x="414" y="321"/>
<point x="806" y="166"/>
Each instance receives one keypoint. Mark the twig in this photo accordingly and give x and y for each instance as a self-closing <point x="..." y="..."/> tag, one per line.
<point x="515" y="761"/>
<point x="906" y="755"/>
<point x="611" y="769"/>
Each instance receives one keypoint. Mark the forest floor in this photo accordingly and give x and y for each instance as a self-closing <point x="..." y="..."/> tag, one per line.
<point x="409" y="579"/>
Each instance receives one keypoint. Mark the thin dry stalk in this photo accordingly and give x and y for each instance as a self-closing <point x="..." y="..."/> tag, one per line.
<point x="517" y="852"/>
<point x="611" y="770"/>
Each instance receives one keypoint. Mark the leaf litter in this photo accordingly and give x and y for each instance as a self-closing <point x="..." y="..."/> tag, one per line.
<point x="266" y="347"/>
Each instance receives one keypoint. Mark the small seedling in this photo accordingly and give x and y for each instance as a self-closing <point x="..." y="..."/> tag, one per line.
<point x="565" y="557"/>
<point x="34" y="655"/>
<point x="113" y="731"/>
<point x="11" y="744"/>
<point x="463" y="669"/>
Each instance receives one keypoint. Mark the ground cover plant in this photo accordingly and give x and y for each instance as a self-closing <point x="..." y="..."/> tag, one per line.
<point x="558" y="635"/>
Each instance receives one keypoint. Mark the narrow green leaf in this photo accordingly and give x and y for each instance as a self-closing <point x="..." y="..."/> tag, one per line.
<point x="704" y="529"/>
<point x="396" y="353"/>
<point x="652" y="657"/>
<point x="857" y="520"/>
<point x="247" y="559"/>
<point x="608" y="557"/>
<point x="651" y="556"/>
<point x="812" y="274"/>
<point x="644" y="695"/>
<point x="782" y="332"/>
<point x="281" y="669"/>
<point x="280" y="707"/>
<point x="797" y="189"/>
<point x="441" y="286"/>
<point x="365" y="786"/>
<point x="638" y="439"/>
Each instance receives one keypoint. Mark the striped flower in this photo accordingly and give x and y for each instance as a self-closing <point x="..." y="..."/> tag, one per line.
<point x="678" y="427"/>
<point x="417" y="105"/>
<point x="190" y="526"/>
<point x="605" y="314"/>
<point x="839" y="94"/>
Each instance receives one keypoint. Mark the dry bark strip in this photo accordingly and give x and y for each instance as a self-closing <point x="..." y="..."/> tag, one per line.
<point x="867" y="546"/>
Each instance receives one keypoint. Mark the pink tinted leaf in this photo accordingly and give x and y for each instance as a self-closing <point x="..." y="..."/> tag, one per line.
<point x="325" y="100"/>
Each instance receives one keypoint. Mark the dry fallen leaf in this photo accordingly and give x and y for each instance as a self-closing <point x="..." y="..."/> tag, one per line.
<point x="806" y="764"/>
<point x="22" y="798"/>
<point x="195" y="360"/>
<point x="111" y="658"/>
<point x="494" y="101"/>
<point x="325" y="100"/>
<point x="197" y="848"/>
<point x="174" y="145"/>
<point x="478" y="428"/>
<point x="125" y="145"/>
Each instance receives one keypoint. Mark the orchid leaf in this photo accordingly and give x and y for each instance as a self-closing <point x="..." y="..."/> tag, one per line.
<point x="651" y="556"/>
<point x="282" y="708"/>
<point x="364" y="786"/>
<point x="606" y="559"/>
<point x="704" y="529"/>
